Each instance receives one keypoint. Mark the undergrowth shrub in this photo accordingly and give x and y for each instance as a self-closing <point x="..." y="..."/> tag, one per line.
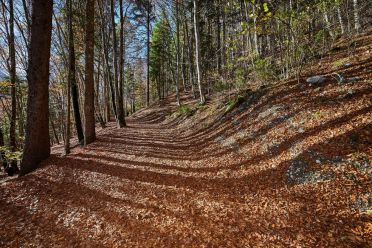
<point x="231" y="104"/>
<point x="263" y="69"/>
<point x="183" y="110"/>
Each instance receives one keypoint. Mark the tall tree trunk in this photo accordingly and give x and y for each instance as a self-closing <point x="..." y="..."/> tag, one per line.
<point x="178" y="55"/>
<point x="99" y="116"/>
<point x="37" y="143"/>
<point x="339" y="14"/>
<point x="105" y="46"/>
<point x="72" y="80"/>
<point x="13" y="118"/>
<point x="119" y="105"/>
<point x="190" y="54"/>
<point x="148" y="53"/>
<point x="70" y="76"/>
<point x="121" y="68"/>
<point x="357" y="25"/>
<point x="90" y="133"/>
<point x="197" y="50"/>
<point x="2" y="154"/>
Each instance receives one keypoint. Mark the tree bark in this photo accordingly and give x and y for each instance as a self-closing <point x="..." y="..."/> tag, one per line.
<point x="197" y="51"/>
<point x="121" y="68"/>
<point x="119" y="105"/>
<point x="177" y="55"/>
<point x="72" y="80"/>
<point x="37" y="143"/>
<point x="148" y="54"/>
<point x="90" y="133"/>
<point x="13" y="118"/>
<point x="2" y="154"/>
<point x="357" y="25"/>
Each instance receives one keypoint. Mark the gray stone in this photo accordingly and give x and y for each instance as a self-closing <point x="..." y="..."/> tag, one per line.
<point x="298" y="173"/>
<point x="348" y="64"/>
<point x="354" y="79"/>
<point x="220" y="138"/>
<point x="315" y="80"/>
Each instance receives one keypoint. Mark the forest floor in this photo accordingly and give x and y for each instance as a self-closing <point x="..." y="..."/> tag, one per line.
<point x="289" y="165"/>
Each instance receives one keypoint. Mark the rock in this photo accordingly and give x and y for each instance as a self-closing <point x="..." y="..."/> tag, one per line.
<point x="298" y="173"/>
<point x="235" y="122"/>
<point x="301" y="130"/>
<point x="315" y="80"/>
<point x="354" y="79"/>
<point x="220" y="138"/>
<point x="363" y="203"/>
<point x="350" y="93"/>
<point x="318" y="161"/>
<point x="348" y="65"/>
<point x="271" y="111"/>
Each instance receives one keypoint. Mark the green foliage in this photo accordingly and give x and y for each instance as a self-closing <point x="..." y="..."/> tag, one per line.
<point x="183" y="110"/>
<point x="263" y="69"/>
<point x="231" y="104"/>
<point x="9" y="155"/>
<point x="241" y="75"/>
<point x="339" y="63"/>
<point x="220" y="86"/>
<point x="318" y="115"/>
<point x="320" y="35"/>
<point x="160" y="47"/>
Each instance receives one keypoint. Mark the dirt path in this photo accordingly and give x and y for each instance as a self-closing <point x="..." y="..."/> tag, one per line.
<point x="159" y="184"/>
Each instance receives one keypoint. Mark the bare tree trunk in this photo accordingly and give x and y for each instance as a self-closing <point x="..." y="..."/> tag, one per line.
<point x="121" y="68"/>
<point x="105" y="45"/>
<point x="119" y="105"/>
<point x="54" y="131"/>
<point x="70" y="75"/>
<point x="2" y="154"/>
<point x="148" y="53"/>
<point x="197" y="50"/>
<point x="99" y="116"/>
<point x="339" y="14"/>
<point x="190" y="53"/>
<point x="357" y="25"/>
<point x="177" y="55"/>
<point x="13" y="118"/>
<point x="90" y="133"/>
<point x="37" y="143"/>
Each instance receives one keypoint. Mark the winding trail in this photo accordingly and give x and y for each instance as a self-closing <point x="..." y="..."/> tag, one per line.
<point x="163" y="182"/>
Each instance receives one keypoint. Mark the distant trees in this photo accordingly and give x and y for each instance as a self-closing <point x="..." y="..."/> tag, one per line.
<point x="37" y="142"/>
<point x="160" y="56"/>
<point x="144" y="10"/>
<point x="143" y="50"/>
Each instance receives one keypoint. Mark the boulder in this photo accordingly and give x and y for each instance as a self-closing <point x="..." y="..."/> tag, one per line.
<point x="316" y="80"/>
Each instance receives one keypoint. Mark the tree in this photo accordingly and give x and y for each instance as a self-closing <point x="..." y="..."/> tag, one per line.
<point x="90" y="133"/>
<point x="119" y="98"/>
<point x="121" y="117"/>
<point x="37" y="143"/>
<point x="144" y="7"/>
<point x="197" y="50"/>
<point x="177" y="54"/>
<point x="2" y="153"/>
<point x="71" y="72"/>
<point x="356" y="16"/>
<point x="12" y="134"/>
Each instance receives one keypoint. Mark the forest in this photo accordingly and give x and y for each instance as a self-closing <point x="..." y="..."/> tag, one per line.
<point x="197" y="123"/>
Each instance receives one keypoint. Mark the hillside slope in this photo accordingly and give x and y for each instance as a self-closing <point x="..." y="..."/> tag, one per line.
<point x="286" y="165"/>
